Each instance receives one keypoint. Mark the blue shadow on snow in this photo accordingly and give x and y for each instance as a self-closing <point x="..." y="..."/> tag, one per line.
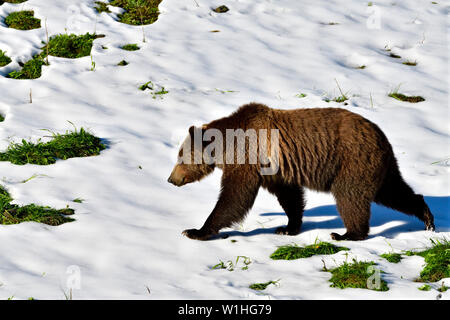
<point x="439" y="206"/>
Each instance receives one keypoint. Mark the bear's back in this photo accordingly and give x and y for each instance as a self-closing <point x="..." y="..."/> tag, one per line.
<point x="316" y="142"/>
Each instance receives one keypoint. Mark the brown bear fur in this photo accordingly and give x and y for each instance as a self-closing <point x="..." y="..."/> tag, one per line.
<point x="330" y="149"/>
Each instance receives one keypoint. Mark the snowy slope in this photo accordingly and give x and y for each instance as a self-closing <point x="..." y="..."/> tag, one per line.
<point x="126" y="240"/>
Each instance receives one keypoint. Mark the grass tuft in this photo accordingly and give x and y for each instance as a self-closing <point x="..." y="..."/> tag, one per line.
<point x="262" y="286"/>
<point x="292" y="252"/>
<point x="130" y="47"/>
<point x="392" y="257"/>
<point x="437" y="260"/>
<point x="138" y="12"/>
<point x="425" y="287"/>
<point x="402" y="97"/>
<point x="70" y="45"/>
<point x="4" y="59"/>
<point x="11" y="1"/>
<point x="343" y="97"/>
<point x="442" y="288"/>
<point x="23" y="20"/>
<point x="153" y="90"/>
<point x="354" y="275"/>
<point x="13" y="213"/>
<point x="340" y="99"/>
<point x="78" y="143"/>
<point x="410" y="63"/>
<point x="123" y="63"/>
<point x="395" y="56"/>
<point x="32" y="69"/>
<point x="221" y="9"/>
<point x="62" y="45"/>
<point x="231" y="266"/>
<point x="102" y="7"/>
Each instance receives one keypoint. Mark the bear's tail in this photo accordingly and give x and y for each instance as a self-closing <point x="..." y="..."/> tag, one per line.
<point x="396" y="194"/>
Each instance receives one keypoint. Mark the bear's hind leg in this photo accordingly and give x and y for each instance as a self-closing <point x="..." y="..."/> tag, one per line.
<point x="396" y="194"/>
<point x="355" y="212"/>
<point x="291" y="200"/>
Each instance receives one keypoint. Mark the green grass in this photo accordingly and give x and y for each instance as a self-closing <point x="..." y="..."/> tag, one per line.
<point x="123" y="63"/>
<point x="70" y="45"/>
<point x="395" y="56"/>
<point x="32" y="69"/>
<point x="23" y="20"/>
<point x="155" y="93"/>
<point x="101" y="7"/>
<point x="437" y="259"/>
<point x="425" y="287"/>
<point x="262" y="286"/>
<point x="11" y="1"/>
<point x="4" y="59"/>
<point x="78" y="143"/>
<point x="13" y="213"/>
<point x="292" y="252"/>
<point x="231" y="266"/>
<point x="130" y="47"/>
<point x="221" y="9"/>
<point x="354" y="275"/>
<point x="138" y="12"/>
<point x="339" y="99"/>
<point x="442" y="288"/>
<point x="402" y="97"/>
<point x="392" y="257"/>
<point x="63" y="45"/>
<point x="410" y="63"/>
<point x="147" y="85"/>
<point x="160" y="93"/>
<point x="409" y="253"/>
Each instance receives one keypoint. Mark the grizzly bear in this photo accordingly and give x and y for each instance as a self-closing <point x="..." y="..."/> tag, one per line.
<point x="323" y="149"/>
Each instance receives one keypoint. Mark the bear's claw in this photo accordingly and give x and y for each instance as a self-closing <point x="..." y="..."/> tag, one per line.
<point x="336" y="236"/>
<point x="196" y="234"/>
<point x="347" y="236"/>
<point x="286" y="231"/>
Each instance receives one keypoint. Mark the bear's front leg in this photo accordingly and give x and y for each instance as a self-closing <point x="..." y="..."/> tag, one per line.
<point x="239" y="188"/>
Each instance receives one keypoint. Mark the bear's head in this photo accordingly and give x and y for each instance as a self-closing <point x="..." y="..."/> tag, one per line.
<point x="190" y="166"/>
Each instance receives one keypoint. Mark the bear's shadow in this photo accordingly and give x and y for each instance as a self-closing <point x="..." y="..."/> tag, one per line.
<point x="381" y="216"/>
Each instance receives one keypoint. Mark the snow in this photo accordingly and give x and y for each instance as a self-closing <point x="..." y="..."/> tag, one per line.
<point x="126" y="242"/>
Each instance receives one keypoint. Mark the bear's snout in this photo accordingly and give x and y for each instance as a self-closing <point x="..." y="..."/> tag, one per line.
<point x="177" y="177"/>
<point x="176" y="182"/>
